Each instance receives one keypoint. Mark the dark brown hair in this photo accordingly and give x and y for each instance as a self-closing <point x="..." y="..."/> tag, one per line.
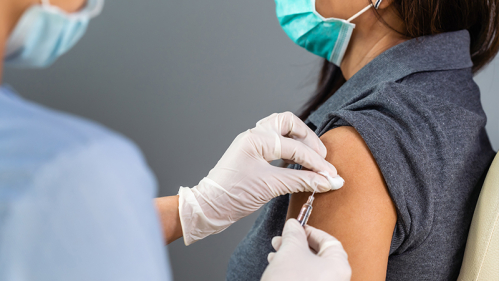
<point x="429" y="17"/>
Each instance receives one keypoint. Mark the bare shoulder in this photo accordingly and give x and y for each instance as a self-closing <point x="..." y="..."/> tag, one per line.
<point x="361" y="214"/>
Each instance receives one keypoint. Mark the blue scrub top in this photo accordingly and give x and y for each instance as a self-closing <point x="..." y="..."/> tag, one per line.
<point x="75" y="200"/>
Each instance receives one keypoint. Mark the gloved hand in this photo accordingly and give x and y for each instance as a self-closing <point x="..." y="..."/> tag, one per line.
<point x="243" y="180"/>
<point x="306" y="254"/>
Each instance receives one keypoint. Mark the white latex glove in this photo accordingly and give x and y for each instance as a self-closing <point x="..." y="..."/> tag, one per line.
<point x="243" y="180"/>
<point x="306" y="254"/>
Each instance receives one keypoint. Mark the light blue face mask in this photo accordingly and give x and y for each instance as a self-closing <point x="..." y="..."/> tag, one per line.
<point x="45" y="32"/>
<point x="327" y="38"/>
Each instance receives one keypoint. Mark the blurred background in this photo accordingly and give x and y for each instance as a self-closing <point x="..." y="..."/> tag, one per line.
<point x="182" y="79"/>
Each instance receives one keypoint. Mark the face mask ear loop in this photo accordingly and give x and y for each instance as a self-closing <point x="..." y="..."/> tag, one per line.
<point x="376" y="6"/>
<point x="359" y="13"/>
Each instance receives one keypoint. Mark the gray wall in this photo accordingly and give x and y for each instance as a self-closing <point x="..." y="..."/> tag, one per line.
<point x="182" y="79"/>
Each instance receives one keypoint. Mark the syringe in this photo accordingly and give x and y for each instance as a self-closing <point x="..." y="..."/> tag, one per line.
<point x="306" y="210"/>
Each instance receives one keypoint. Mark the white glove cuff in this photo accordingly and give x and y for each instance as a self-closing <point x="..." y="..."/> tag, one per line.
<point x="195" y="224"/>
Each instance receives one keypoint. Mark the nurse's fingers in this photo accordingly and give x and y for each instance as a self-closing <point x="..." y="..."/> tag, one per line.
<point x="293" y="235"/>
<point x="293" y="238"/>
<point x="323" y="243"/>
<point x="276" y="242"/>
<point x="293" y="181"/>
<point x="300" y="153"/>
<point x="289" y="125"/>
<point x="270" y="257"/>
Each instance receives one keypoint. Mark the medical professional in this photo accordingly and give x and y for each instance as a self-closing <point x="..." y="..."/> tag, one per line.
<point x="76" y="198"/>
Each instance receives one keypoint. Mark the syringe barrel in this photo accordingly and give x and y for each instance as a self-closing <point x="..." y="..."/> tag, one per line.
<point x="305" y="211"/>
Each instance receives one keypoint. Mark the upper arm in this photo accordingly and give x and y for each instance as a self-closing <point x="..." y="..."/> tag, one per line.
<point x="361" y="214"/>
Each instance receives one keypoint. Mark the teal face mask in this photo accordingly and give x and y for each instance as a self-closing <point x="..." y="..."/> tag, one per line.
<point x="327" y="38"/>
<point x="45" y="32"/>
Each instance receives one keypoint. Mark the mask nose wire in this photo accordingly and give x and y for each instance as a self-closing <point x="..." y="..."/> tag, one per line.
<point x="376" y="6"/>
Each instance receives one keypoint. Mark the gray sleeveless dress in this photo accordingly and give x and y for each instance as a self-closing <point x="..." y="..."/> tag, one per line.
<point x="418" y="109"/>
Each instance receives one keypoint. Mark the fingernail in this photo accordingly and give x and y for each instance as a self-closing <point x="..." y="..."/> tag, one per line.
<point x="336" y="182"/>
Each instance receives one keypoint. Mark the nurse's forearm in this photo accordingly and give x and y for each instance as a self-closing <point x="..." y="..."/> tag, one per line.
<point x="170" y="220"/>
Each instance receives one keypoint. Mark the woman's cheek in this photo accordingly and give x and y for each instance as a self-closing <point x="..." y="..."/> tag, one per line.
<point x="341" y="9"/>
<point x="69" y="6"/>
